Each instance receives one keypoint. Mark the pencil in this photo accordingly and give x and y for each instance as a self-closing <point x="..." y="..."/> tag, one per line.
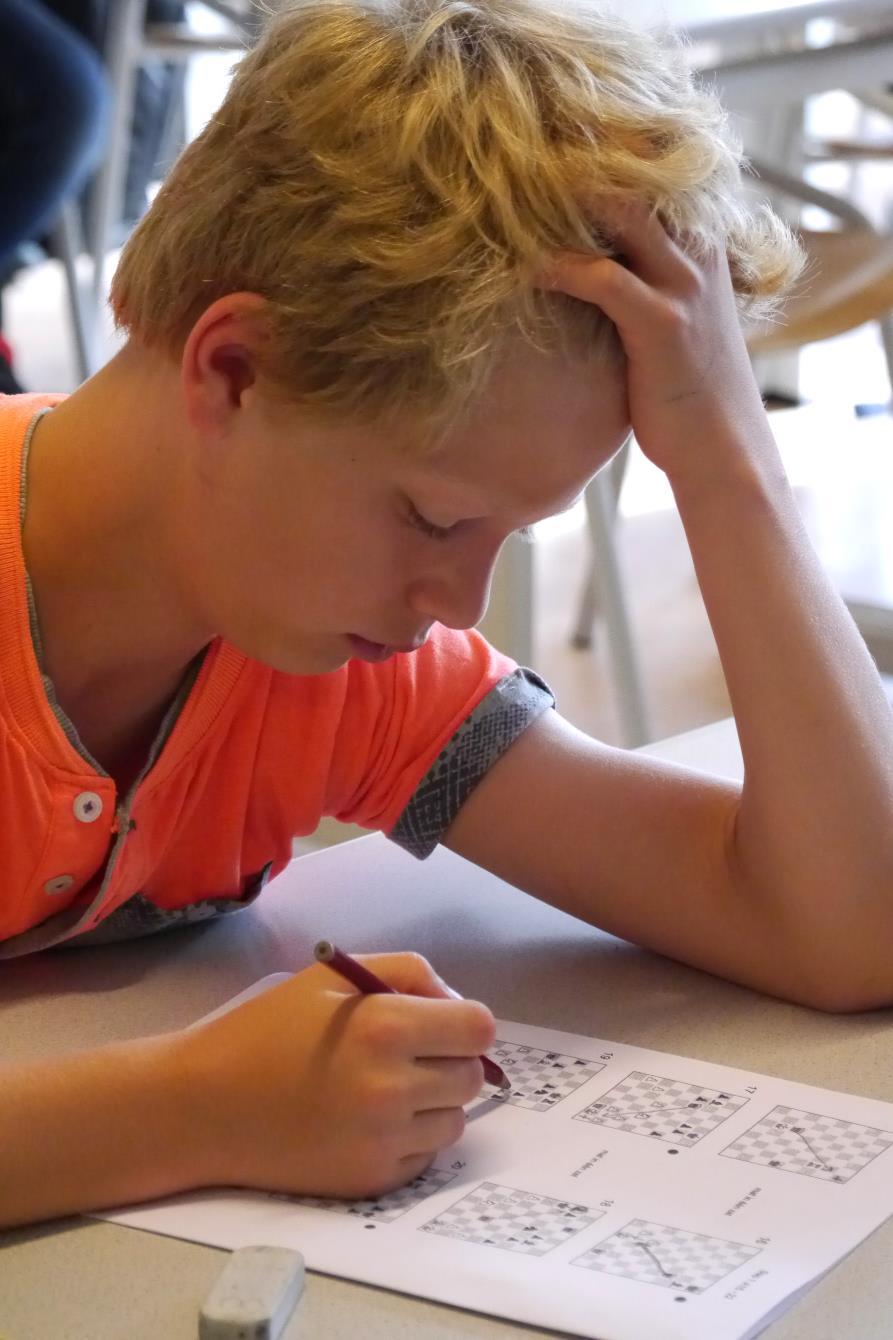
<point x="371" y="985"/>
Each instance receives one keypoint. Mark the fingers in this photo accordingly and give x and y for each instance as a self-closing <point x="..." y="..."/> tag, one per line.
<point x="646" y="247"/>
<point x="413" y="1166"/>
<point x="429" y="1134"/>
<point x="448" y="1028"/>
<point x="412" y="1027"/>
<point x="410" y="974"/>
<point x="425" y="1015"/>
<point x="621" y="295"/>
<point x="433" y="1131"/>
<point x="647" y="262"/>
<point x="447" y="1083"/>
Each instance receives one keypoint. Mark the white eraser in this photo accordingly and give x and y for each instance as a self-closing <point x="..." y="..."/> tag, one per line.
<point x="254" y="1295"/>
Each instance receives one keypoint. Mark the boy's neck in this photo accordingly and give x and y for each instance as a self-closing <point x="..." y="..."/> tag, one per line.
<point x="99" y="545"/>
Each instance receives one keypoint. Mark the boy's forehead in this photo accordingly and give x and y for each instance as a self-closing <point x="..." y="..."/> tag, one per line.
<point x="530" y="445"/>
<point x="525" y="449"/>
<point x="520" y="481"/>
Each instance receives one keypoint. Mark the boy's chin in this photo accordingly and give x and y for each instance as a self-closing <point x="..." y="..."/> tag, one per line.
<point x="311" y="656"/>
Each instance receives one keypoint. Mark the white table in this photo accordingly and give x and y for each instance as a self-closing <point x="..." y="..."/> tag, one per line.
<point x="528" y="961"/>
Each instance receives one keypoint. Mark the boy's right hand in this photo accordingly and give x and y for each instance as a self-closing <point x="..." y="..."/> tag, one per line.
<point x="312" y="1088"/>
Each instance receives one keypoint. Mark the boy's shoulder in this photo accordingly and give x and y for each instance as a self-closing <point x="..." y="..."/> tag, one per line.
<point x="26" y="404"/>
<point x="17" y="413"/>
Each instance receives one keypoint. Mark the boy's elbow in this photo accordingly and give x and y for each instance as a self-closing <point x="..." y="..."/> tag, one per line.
<point x="844" y="1001"/>
<point x="845" y="979"/>
<point x="835" y="956"/>
<point x="856" y="999"/>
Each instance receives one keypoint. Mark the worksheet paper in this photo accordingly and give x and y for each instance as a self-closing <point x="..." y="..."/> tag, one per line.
<point x="616" y="1193"/>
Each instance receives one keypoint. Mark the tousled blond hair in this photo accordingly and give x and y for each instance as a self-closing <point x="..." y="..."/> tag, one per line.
<point x="391" y="175"/>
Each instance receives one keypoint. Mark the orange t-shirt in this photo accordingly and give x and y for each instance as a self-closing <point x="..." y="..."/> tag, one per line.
<point x="247" y="759"/>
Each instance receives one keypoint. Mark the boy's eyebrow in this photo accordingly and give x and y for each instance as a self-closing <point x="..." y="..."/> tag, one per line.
<point x="467" y="504"/>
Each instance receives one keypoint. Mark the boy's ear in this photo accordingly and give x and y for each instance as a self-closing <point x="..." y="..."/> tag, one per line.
<point x="221" y="360"/>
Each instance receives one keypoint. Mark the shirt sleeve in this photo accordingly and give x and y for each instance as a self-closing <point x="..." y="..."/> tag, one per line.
<point x="418" y="732"/>
<point x="499" y="718"/>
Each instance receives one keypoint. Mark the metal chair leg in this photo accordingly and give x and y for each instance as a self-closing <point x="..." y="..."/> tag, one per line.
<point x="68" y="245"/>
<point x="126" y="23"/>
<point x="173" y="133"/>
<point x="887" y="340"/>
<point x="583" y="635"/>
<point x="601" y="507"/>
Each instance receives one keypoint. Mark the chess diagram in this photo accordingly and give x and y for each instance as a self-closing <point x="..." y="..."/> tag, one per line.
<point x="663" y="1109"/>
<point x="517" y="1221"/>
<point x="808" y="1143"/>
<point x="390" y="1206"/>
<point x="539" y="1079"/>
<point x="671" y="1257"/>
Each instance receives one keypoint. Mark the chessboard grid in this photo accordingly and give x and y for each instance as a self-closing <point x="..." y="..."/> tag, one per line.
<point x="385" y="1209"/>
<point x="512" y="1219"/>
<point x="705" y="1108"/>
<point x="698" y="1261"/>
<point x="540" y="1079"/>
<point x="768" y="1143"/>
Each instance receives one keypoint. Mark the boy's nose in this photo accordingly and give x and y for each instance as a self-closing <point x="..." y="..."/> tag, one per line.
<point x="456" y="596"/>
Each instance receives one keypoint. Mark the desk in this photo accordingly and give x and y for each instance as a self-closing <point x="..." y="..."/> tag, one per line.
<point x="84" y="1280"/>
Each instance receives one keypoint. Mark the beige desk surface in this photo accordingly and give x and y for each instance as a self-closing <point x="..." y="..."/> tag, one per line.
<point x="83" y="1280"/>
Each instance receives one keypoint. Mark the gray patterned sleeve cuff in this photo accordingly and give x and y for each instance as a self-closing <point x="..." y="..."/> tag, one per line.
<point x="499" y="718"/>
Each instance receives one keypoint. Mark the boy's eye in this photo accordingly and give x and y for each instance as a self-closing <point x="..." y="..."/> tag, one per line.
<point x="446" y="532"/>
<point x="428" y="527"/>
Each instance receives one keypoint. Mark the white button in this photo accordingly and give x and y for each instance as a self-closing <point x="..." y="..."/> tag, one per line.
<point x="59" y="884"/>
<point x="87" y="807"/>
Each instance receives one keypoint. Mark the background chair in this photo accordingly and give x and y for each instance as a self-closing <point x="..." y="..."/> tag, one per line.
<point x="848" y="279"/>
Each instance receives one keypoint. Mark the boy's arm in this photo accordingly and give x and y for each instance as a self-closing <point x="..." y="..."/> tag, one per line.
<point x="96" y="1129"/>
<point x="785" y="884"/>
<point x="358" y="1095"/>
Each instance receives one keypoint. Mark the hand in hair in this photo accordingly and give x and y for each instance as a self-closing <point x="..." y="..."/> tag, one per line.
<point x="690" y="384"/>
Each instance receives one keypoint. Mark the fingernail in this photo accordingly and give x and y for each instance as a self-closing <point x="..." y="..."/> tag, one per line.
<point x="449" y="990"/>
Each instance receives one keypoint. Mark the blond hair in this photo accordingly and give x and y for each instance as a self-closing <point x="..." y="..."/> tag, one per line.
<point x="391" y="175"/>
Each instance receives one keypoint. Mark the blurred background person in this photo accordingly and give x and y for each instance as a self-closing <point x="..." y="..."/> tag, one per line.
<point x="154" y="88"/>
<point x="54" y="115"/>
<point x="54" y="104"/>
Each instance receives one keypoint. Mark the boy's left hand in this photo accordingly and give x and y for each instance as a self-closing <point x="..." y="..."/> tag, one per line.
<point x="693" y="400"/>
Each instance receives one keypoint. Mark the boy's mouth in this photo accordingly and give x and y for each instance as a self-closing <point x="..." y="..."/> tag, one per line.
<point x="365" y="650"/>
<point x="379" y="651"/>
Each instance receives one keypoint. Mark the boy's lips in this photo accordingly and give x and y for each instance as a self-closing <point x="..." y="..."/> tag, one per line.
<point x="376" y="651"/>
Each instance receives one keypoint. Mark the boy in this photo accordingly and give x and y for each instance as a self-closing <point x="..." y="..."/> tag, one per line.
<point x="405" y="294"/>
